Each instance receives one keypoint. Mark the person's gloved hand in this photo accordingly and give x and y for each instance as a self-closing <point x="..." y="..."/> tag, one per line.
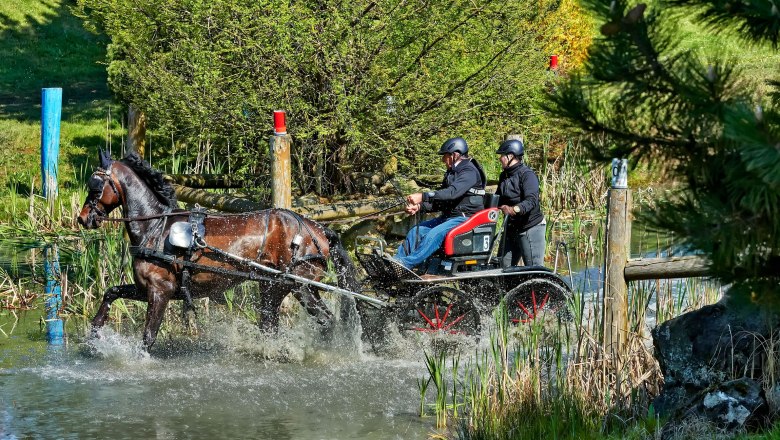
<point x="508" y="210"/>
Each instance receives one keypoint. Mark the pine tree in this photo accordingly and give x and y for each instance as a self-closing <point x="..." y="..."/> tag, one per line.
<point x="698" y="122"/>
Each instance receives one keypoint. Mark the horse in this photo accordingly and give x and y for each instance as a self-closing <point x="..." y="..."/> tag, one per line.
<point x="276" y="238"/>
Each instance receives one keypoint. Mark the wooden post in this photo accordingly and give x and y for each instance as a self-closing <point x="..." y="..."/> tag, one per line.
<point x="281" y="182"/>
<point x="51" y="116"/>
<point x="52" y="295"/>
<point x="615" y="311"/>
<point x="136" y="131"/>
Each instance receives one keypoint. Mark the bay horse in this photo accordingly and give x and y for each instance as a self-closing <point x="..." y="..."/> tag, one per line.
<point x="276" y="238"/>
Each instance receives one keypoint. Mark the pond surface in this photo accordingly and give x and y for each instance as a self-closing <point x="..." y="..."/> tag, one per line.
<point x="219" y="385"/>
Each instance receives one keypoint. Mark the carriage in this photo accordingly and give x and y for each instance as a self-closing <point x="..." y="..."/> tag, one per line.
<point x="462" y="281"/>
<point x="180" y="255"/>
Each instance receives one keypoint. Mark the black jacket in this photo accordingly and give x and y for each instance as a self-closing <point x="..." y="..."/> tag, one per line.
<point x="462" y="191"/>
<point x="519" y="186"/>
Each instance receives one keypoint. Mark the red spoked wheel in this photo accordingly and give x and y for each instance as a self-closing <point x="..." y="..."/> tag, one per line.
<point x="439" y="309"/>
<point x="530" y="299"/>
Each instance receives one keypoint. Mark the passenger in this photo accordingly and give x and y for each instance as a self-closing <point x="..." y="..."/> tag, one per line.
<point x="460" y="196"/>
<point x="518" y="188"/>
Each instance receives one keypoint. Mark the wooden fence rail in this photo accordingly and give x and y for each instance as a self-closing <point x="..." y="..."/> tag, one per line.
<point x="666" y="268"/>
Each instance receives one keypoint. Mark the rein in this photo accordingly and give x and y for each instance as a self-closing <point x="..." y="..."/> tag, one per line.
<point x="142" y="217"/>
<point x="171" y="214"/>
<point x="165" y="214"/>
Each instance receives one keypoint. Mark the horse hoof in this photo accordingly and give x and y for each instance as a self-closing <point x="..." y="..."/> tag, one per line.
<point x="94" y="333"/>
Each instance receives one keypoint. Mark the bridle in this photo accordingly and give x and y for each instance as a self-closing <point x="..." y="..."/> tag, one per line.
<point x="105" y="175"/>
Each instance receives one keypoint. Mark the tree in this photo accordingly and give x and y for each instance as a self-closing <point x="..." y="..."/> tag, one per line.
<point x="360" y="79"/>
<point x="698" y="122"/>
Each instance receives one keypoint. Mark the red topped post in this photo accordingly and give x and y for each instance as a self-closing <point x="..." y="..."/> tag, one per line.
<point x="553" y="62"/>
<point x="281" y="170"/>
<point x="280" y="125"/>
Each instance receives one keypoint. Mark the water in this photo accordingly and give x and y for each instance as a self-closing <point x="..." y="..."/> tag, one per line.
<point x="229" y="381"/>
<point x="218" y="385"/>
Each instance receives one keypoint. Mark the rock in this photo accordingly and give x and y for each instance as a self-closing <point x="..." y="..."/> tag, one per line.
<point x="712" y="360"/>
<point x="732" y="406"/>
<point x="732" y="403"/>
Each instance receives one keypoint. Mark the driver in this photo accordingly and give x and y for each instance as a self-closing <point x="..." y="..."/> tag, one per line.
<point x="460" y="196"/>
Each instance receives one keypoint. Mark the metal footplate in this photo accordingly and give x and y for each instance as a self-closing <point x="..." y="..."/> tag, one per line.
<point x="384" y="269"/>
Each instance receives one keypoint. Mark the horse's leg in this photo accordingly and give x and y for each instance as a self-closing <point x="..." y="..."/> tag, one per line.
<point x="270" y="302"/>
<point x="127" y="291"/>
<point x="311" y="301"/>
<point x="155" y="311"/>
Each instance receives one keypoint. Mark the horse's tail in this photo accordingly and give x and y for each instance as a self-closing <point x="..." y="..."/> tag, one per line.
<point x="345" y="267"/>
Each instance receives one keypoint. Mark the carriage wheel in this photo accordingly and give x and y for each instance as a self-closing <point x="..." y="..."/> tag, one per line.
<point x="439" y="309"/>
<point x="529" y="299"/>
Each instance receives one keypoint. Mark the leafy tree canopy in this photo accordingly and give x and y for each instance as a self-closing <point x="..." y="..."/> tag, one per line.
<point x="699" y="121"/>
<point x="359" y="79"/>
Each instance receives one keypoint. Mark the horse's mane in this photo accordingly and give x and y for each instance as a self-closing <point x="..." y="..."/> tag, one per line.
<point x="153" y="178"/>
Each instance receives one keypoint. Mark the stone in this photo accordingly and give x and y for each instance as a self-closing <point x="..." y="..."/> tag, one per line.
<point x="711" y="360"/>
<point x="728" y="407"/>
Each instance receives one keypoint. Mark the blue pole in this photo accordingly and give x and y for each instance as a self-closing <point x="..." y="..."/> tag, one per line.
<point x="52" y="295"/>
<point x="51" y="113"/>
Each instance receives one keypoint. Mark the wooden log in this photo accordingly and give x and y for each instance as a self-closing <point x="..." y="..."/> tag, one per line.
<point x="213" y="181"/>
<point x="518" y="137"/>
<point x="220" y="202"/>
<point x="666" y="268"/>
<point x="434" y="181"/>
<point x="351" y="208"/>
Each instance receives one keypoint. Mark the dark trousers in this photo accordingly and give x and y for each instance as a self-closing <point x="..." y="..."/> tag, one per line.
<point x="529" y="245"/>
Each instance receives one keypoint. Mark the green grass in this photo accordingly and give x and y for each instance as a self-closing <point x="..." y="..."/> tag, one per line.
<point x="756" y="61"/>
<point x="43" y="45"/>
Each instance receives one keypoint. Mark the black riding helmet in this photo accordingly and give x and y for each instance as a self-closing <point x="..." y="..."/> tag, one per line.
<point x="454" y="145"/>
<point x="512" y="146"/>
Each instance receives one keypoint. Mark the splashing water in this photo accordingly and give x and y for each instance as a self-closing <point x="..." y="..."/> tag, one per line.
<point x="116" y="348"/>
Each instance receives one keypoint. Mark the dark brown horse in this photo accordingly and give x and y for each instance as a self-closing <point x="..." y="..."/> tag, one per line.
<point x="275" y="238"/>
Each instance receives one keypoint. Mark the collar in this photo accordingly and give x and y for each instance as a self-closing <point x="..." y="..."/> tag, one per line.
<point x="514" y="167"/>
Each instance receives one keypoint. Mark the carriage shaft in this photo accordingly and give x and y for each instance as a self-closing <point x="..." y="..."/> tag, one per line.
<point x="301" y="279"/>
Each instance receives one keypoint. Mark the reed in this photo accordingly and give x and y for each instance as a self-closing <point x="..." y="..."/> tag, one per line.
<point x="512" y="384"/>
<point x="555" y="380"/>
<point x="571" y="182"/>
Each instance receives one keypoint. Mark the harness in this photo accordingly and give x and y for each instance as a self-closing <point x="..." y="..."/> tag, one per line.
<point x="147" y="253"/>
<point x="195" y="221"/>
<point x="197" y="232"/>
<point x="298" y="240"/>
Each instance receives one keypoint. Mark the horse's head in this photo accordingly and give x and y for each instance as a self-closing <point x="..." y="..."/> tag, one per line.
<point x="105" y="194"/>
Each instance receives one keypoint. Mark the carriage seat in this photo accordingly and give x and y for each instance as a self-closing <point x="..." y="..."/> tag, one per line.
<point x="475" y="235"/>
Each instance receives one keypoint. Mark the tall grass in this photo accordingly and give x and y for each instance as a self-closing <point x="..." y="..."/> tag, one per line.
<point x="572" y="183"/>
<point x="556" y="380"/>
